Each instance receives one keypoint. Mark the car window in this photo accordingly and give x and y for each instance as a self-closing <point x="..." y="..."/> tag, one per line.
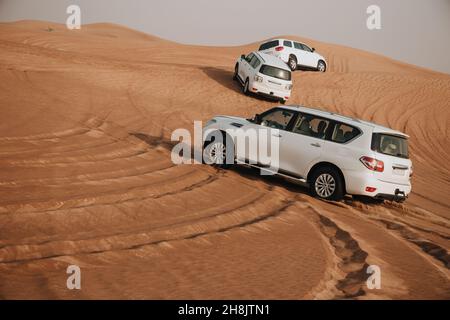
<point x="306" y="48"/>
<point x="255" y="62"/>
<point x="310" y="125"/>
<point x="391" y="145"/>
<point x="249" y="57"/>
<point x="275" y="72"/>
<point x="343" y="133"/>
<point x="268" y="45"/>
<point x="298" y="46"/>
<point x="287" y="43"/>
<point x="278" y="119"/>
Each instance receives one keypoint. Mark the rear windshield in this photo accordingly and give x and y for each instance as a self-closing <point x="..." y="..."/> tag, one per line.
<point x="275" y="72"/>
<point x="391" y="145"/>
<point x="269" y="45"/>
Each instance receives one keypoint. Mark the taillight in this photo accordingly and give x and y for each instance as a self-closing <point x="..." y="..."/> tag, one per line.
<point x="280" y="48"/>
<point x="372" y="164"/>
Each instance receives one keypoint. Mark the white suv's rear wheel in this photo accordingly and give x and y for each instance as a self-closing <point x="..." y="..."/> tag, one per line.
<point x="292" y="63"/>
<point x="326" y="183"/>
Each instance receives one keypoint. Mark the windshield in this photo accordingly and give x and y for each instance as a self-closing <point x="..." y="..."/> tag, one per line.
<point x="275" y="72"/>
<point x="396" y="146"/>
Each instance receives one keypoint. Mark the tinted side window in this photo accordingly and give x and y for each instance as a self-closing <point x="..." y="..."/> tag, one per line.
<point x="255" y="62"/>
<point x="310" y="125"/>
<point x="306" y="48"/>
<point x="298" y="46"/>
<point x="268" y="45"/>
<point x="278" y="119"/>
<point x="343" y="133"/>
<point x="287" y="43"/>
<point x="249" y="57"/>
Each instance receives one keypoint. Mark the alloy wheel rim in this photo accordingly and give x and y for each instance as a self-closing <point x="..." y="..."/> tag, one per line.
<point x="217" y="153"/>
<point x="325" y="185"/>
<point x="293" y="64"/>
<point x="321" y="67"/>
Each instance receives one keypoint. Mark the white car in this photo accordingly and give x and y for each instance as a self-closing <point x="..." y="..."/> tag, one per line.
<point x="265" y="75"/>
<point x="333" y="154"/>
<point x="295" y="54"/>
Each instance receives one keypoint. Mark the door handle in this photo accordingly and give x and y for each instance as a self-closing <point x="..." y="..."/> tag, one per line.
<point x="276" y="135"/>
<point x="317" y="145"/>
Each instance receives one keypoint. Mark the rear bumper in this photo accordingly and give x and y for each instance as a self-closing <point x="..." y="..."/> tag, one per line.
<point x="357" y="183"/>
<point x="398" y="196"/>
<point x="264" y="90"/>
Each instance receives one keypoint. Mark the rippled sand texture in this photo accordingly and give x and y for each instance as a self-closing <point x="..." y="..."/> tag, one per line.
<point x="86" y="176"/>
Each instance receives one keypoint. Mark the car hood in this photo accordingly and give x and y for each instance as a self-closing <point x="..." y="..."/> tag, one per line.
<point x="232" y="119"/>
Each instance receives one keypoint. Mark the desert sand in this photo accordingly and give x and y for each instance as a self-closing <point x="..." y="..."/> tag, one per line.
<point x="86" y="176"/>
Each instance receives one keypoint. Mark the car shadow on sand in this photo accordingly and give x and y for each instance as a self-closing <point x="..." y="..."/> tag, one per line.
<point x="225" y="79"/>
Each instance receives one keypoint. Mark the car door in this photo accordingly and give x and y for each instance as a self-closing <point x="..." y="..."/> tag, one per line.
<point x="244" y="67"/>
<point x="254" y="64"/>
<point x="300" y="54"/>
<point x="303" y="144"/>
<point x="268" y="136"/>
<point x="288" y="47"/>
<point x="310" y="57"/>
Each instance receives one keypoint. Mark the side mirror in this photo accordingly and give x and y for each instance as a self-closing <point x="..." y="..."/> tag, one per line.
<point x="242" y="56"/>
<point x="257" y="118"/>
<point x="313" y="49"/>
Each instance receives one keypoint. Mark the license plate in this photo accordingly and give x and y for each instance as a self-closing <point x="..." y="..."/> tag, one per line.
<point x="399" y="172"/>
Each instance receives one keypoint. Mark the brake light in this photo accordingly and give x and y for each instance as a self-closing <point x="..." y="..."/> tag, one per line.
<point x="280" y="48"/>
<point x="371" y="189"/>
<point x="372" y="164"/>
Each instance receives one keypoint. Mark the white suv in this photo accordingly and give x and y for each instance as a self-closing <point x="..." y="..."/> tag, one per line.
<point x="295" y="54"/>
<point x="265" y="75"/>
<point x="333" y="154"/>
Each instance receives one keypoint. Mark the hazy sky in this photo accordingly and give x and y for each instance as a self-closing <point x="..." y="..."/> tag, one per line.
<point x="414" y="31"/>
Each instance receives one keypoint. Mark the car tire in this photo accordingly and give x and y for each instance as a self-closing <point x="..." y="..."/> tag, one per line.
<point x="321" y="66"/>
<point x="245" y="87"/>
<point x="292" y="63"/>
<point x="327" y="184"/>
<point x="236" y="69"/>
<point x="282" y="101"/>
<point x="215" y="153"/>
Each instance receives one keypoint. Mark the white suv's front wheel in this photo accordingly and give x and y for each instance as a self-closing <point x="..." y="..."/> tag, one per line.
<point x="245" y="88"/>
<point x="321" y="66"/>
<point x="326" y="183"/>
<point x="217" y="153"/>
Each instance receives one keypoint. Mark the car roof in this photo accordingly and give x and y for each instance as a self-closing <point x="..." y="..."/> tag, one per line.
<point x="342" y="118"/>
<point x="272" y="60"/>
<point x="281" y="39"/>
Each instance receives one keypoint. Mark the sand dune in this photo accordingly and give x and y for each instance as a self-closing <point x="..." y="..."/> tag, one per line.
<point x="86" y="176"/>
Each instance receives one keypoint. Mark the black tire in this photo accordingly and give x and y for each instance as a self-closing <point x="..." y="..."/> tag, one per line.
<point x="228" y="152"/>
<point x="236" y="69"/>
<point x="325" y="179"/>
<point x="282" y="101"/>
<point x="292" y="63"/>
<point x="321" y="66"/>
<point x="245" y="87"/>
